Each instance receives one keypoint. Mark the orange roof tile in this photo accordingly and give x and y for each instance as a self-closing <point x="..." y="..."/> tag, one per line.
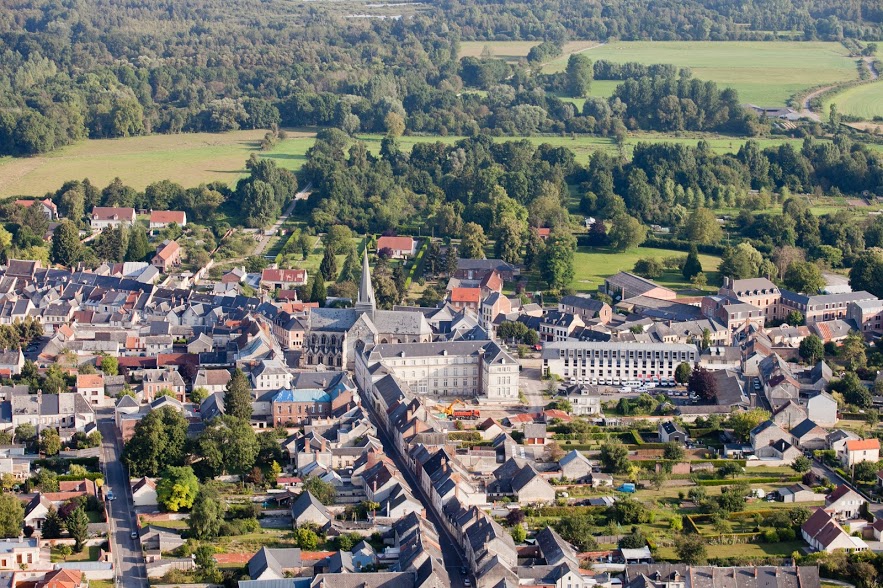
<point x="862" y="444"/>
<point x="90" y="381"/>
<point x="167" y="216"/>
<point x="466" y="295"/>
<point x="395" y="243"/>
<point x="169" y="250"/>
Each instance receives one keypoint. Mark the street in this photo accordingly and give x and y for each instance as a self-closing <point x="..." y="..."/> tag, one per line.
<point x="452" y="555"/>
<point x="129" y="567"/>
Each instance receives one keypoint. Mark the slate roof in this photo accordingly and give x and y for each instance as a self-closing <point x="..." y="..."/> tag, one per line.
<point x="274" y="561"/>
<point x="304" y="502"/>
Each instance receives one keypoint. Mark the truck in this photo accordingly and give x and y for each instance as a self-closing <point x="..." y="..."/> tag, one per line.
<point x="466" y="413"/>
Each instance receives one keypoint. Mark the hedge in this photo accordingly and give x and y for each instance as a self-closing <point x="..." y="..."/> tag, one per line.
<point x="89" y="476"/>
<point x="785" y="480"/>
<point x="418" y="263"/>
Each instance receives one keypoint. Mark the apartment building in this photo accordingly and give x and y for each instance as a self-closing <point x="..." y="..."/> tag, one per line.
<point x="595" y="362"/>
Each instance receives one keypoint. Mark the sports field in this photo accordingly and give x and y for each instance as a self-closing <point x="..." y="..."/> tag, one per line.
<point x="864" y="101"/>
<point x="764" y="73"/>
<point x="191" y="159"/>
<point x="593" y="264"/>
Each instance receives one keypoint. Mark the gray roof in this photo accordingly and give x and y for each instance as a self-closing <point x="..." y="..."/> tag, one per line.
<point x="719" y="577"/>
<point x="632" y="284"/>
<point x="805" y="427"/>
<point x="555" y="549"/>
<point x="306" y="501"/>
<point x="274" y="560"/>
<point x="332" y="319"/>
<point x="366" y="580"/>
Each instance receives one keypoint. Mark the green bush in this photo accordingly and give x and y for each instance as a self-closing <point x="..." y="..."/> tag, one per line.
<point x="771" y="536"/>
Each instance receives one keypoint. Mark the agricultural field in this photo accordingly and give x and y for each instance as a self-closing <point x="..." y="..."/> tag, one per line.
<point x="764" y="73"/>
<point x="191" y="159"/>
<point x="515" y="50"/>
<point x="593" y="264"/>
<point x="864" y="101"/>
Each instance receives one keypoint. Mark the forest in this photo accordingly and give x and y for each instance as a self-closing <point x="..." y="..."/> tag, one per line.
<point x="74" y="69"/>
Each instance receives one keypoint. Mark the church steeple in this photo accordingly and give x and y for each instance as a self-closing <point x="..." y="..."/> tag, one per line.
<point x="366" y="301"/>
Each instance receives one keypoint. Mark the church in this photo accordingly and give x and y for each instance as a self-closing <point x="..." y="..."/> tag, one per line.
<point x="332" y="333"/>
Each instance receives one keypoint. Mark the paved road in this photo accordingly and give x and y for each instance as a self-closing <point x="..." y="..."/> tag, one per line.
<point x="265" y="238"/>
<point x="128" y="559"/>
<point x="452" y="554"/>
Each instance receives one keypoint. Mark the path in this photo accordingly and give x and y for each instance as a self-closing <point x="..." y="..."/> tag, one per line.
<point x="805" y="109"/>
<point x="130" y="570"/>
<point x="869" y="63"/>
<point x="267" y="235"/>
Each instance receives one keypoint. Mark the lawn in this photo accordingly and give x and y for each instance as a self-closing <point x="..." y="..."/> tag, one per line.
<point x="741" y="550"/>
<point x="864" y="101"/>
<point x="593" y="264"/>
<point x="89" y="553"/>
<point x="764" y="73"/>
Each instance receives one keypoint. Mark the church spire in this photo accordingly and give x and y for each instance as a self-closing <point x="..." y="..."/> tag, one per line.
<point x="366" y="302"/>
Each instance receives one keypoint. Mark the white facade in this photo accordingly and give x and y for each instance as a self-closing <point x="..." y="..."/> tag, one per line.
<point x="589" y="362"/>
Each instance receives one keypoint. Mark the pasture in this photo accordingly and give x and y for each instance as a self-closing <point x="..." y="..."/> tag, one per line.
<point x="764" y="73"/>
<point x="195" y="158"/>
<point x="593" y="264"/>
<point x="515" y="50"/>
<point x="864" y="101"/>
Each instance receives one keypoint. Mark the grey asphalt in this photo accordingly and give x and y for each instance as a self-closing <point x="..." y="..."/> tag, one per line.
<point x="128" y="560"/>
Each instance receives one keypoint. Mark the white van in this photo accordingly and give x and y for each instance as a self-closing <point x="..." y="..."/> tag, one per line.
<point x="625" y="390"/>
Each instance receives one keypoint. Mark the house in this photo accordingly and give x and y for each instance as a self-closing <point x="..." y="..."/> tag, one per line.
<point x="678" y="575"/>
<point x="62" y="578"/>
<point x="859" y="450"/>
<point x="163" y="379"/>
<point x="363" y="555"/>
<point x="212" y="380"/>
<point x="823" y="533"/>
<point x="47" y="207"/>
<point x="809" y="435"/>
<point x="600" y="480"/>
<point x="160" y="539"/>
<point x="400" y="247"/>
<point x="586" y="307"/>
<point x="103" y="217"/>
<point x="478" y="269"/>
<point x="91" y="387"/>
<point x="234" y="276"/>
<point x="534" y="434"/>
<point x="797" y="493"/>
<point x="274" y="563"/>
<point x="21" y="554"/>
<point x="844" y="502"/>
<point x="201" y="344"/>
<point x="144" y="493"/>
<point x="160" y="219"/>
<point x="669" y="431"/>
<point x="767" y="433"/>
<point x="584" y="399"/>
<point x="36" y="510"/>
<point x="308" y="509"/>
<point x="559" y="326"/>
<point x="167" y="256"/>
<point x="789" y="414"/>
<point x="465" y="298"/>
<point x="575" y="466"/>
<point x="11" y="362"/>
<point x="519" y="479"/>
<point x="822" y="409"/>
<point x="283" y="279"/>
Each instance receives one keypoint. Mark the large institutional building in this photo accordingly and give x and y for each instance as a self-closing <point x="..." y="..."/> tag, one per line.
<point x="590" y="362"/>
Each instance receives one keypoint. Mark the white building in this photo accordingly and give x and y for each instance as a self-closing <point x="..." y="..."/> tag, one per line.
<point x="451" y="368"/>
<point x="591" y="362"/>
<point x="108" y="216"/>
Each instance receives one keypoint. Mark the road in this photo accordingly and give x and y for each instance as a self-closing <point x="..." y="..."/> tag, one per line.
<point x="267" y="235"/>
<point x="452" y="555"/>
<point x="128" y="560"/>
<point x="805" y="109"/>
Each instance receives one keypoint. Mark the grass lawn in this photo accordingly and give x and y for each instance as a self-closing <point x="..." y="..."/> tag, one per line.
<point x="743" y="550"/>
<point x="764" y="73"/>
<point x="90" y="553"/>
<point x="864" y="101"/>
<point x="593" y="264"/>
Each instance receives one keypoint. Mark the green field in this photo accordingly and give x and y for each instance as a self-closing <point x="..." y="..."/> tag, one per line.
<point x="764" y="73"/>
<point x="864" y="101"/>
<point x="514" y="50"/>
<point x="191" y="159"/>
<point x="593" y="264"/>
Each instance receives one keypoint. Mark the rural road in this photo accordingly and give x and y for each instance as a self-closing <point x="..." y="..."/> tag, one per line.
<point x="267" y="235"/>
<point x="805" y="109"/>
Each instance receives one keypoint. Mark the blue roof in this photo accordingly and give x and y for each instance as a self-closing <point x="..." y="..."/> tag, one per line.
<point x="302" y="395"/>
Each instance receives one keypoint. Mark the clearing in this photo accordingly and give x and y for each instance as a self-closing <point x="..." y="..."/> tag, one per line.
<point x="764" y="73"/>
<point x="864" y="101"/>
<point x="593" y="264"/>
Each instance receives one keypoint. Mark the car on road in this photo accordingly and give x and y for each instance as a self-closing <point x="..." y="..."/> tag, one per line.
<point x="467" y="582"/>
<point x="133" y="534"/>
<point x="109" y="495"/>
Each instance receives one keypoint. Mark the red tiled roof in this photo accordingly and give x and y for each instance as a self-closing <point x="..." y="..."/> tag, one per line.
<point x="466" y="295"/>
<point x="170" y="249"/>
<point x="46" y="202"/>
<point x="112" y="213"/>
<point x="862" y="444"/>
<point x="284" y="275"/>
<point x="395" y="243"/>
<point x="167" y="216"/>
<point x="90" y="381"/>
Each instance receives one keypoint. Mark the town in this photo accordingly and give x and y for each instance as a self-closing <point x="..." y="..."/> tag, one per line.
<point x="167" y="427"/>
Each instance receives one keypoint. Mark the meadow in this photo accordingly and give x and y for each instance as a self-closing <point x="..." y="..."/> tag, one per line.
<point x="764" y="73"/>
<point x="515" y="50"/>
<point x="192" y="159"/>
<point x="864" y="101"/>
<point x="593" y="264"/>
